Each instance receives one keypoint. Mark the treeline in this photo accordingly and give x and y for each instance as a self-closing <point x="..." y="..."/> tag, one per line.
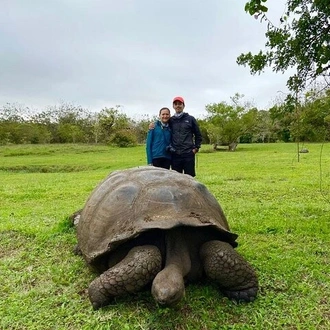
<point x="68" y="123"/>
<point x="225" y="124"/>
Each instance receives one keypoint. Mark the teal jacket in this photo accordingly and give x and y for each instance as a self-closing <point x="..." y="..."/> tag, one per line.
<point x="157" y="141"/>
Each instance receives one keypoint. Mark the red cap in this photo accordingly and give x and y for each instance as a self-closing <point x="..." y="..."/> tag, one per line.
<point x="178" y="98"/>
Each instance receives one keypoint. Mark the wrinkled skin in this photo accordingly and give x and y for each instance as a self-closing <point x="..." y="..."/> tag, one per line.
<point x="149" y="226"/>
<point x="189" y="255"/>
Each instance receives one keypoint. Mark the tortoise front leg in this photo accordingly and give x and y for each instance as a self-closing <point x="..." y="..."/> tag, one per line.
<point x="235" y="275"/>
<point x="136" y="270"/>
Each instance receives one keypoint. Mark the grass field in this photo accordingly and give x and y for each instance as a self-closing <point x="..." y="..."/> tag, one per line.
<point x="278" y="205"/>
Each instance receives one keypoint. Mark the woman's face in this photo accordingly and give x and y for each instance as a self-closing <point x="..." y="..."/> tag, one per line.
<point x="164" y="115"/>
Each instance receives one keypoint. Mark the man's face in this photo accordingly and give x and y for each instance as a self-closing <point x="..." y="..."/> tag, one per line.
<point x="178" y="106"/>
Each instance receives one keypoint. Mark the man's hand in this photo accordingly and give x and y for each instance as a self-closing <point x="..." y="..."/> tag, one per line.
<point x="151" y="125"/>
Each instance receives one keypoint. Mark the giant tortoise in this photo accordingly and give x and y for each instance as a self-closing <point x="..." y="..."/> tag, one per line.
<point x="148" y="225"/>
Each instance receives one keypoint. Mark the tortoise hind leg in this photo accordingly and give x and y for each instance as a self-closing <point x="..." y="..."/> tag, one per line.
<point x="235" y="275"/>
<point x="136" y="270"/>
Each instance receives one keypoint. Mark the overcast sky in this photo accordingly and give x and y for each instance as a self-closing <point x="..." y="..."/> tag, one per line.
<point x="135" y="53"/>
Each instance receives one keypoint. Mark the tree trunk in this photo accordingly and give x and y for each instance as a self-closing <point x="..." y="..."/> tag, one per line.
<point x="232" y="146"/>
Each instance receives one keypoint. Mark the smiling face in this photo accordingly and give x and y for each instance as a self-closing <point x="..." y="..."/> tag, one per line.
<point x="178" y="106"/>
<point x="164" y="115"/>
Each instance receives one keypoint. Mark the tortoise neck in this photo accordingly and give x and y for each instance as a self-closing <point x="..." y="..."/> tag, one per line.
<point x="177" y="250"/>
<point x="168" y="286"/>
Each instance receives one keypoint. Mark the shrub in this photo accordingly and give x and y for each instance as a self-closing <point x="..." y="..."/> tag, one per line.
<point x="123" y="138"/>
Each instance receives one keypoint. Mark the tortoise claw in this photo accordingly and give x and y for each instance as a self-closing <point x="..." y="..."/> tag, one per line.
<point x="246" y="295"/>
<point x="98" y="295"/>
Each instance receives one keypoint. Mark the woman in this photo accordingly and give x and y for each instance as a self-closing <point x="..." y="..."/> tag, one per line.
<point x="158" y="141"/>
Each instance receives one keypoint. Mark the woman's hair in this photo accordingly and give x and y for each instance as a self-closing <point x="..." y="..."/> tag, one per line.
<point x="160" y="111"/>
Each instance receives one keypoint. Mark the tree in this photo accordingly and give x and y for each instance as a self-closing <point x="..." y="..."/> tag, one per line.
<point x="282" y="116"/>
<point x="65" y="123"/>
<point x="301" y="41"/>
<point x="141" y="126"/>
<point x="13" y="123"/>
<point x="312" y="124"/>
<point x="124" y="138"/>
<point x="304" y="119"/>
<point x="111" y="120"/>
<point x="264" y="129"/>
<point x="70" y="120"/>
<point x="227" y="122"/>
<point x="204" y="129"/>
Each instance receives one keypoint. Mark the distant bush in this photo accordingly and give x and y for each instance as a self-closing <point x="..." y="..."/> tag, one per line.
<point x="123" y="138"/>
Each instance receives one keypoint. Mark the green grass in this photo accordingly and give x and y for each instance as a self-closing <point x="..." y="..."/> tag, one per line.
<point x="278" y="206"/>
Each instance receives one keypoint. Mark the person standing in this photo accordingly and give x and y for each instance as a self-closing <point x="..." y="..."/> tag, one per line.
<point x="158" y="140"/>
<point x="186" y="139"/>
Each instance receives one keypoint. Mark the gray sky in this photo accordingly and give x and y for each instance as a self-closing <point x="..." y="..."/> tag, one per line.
<point x="135" y="53"/>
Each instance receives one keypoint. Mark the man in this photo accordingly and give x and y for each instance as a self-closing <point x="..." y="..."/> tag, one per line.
<point x="186" y="139"/>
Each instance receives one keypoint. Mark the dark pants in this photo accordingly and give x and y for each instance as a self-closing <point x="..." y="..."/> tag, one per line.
<point x="184" y="163"/>
<point x="162" y="162"/>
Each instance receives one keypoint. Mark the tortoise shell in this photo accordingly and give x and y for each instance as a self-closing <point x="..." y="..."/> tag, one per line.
<point x="130" y="202"/>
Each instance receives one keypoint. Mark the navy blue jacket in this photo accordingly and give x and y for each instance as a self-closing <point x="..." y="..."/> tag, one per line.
<point x="185" y="134"/>
<point x="157" y="141"/>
